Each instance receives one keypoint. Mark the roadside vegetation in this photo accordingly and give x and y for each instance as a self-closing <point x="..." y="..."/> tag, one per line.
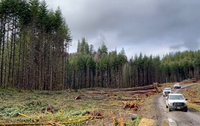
<point x="193" y="96"/>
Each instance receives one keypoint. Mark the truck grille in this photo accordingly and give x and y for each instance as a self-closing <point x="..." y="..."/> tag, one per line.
<point x="178" y="104"/>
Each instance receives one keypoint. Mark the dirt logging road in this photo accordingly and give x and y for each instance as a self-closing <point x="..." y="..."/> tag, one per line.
<point x="176" y="118"/>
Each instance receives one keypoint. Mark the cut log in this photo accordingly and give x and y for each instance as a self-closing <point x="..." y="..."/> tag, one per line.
<point x="144" y="88"/>
<point x="130" y="99"/>
<point x="133" y="89"/>
<point x="195" y="102"/>
<point x="155" y="85"/>
<point x="98" y="92"/>
<point x="142" y="92"/>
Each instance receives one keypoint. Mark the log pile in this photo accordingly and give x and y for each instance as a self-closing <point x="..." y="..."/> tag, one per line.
<point x="149" y="89"/>
<point x="142" y="91"/>
<point x="133" y="89"/>
<point x="189" y="81"/>
<point x="135" y="93"/>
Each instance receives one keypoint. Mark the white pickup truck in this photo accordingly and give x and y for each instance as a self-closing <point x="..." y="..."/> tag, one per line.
<point x="166" y="91"/>
<point x="176" y="102"/>
<point x="177" y="86"/>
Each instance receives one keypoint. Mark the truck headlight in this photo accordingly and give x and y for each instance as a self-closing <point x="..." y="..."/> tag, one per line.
<point x="170" y="103"/>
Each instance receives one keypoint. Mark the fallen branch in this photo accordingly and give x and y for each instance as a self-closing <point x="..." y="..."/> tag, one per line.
<point x="21" y="114"/>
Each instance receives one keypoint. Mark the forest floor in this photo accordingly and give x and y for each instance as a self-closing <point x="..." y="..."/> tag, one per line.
<point x="82" y="107"/>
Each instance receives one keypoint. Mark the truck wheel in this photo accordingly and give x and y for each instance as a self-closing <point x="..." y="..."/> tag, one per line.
<point x="185" y="110"/>
<point x="169" y="109"/>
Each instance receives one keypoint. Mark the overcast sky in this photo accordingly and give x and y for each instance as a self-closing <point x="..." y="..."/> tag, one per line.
<point x="149" y="26"/>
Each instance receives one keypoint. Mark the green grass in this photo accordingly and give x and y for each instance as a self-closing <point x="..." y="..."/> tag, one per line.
<point x="194" y="106"/>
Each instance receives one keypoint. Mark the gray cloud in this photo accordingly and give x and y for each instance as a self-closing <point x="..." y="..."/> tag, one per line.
<point x="189" y="44"/>
<point x="134" y="23"/>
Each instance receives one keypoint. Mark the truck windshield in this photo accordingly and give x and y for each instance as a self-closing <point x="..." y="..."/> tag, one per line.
<point x="176" y="97"/>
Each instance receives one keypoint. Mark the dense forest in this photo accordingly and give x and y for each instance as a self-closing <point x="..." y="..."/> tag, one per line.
<point x="89" y="68"/>
<point x="33" y="42"/>
<point x="33" y="55"/>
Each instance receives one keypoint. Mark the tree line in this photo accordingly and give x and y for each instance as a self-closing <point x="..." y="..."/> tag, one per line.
<point x="33" y="42"/>
<point x="89" y="68"/>
<point x="33" y="55"/>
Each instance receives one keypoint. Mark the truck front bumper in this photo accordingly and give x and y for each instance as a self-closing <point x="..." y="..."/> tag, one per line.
<point x="178" y="107"/>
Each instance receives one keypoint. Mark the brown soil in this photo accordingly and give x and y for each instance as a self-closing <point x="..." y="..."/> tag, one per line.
<point x="164" y="123"/>
<point x="147" y="122"/>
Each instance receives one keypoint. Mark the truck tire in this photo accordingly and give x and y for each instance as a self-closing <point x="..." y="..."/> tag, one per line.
<point x="169" y="109"/>
<point x="185" y="110"/>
